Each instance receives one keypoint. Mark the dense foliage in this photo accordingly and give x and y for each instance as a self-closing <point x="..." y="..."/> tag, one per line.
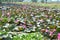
<point x="28" y="19"/>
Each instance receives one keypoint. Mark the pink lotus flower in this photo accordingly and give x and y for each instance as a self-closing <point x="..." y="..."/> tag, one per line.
<point x="0" y="19"/>
<point x="20" y="24"/>
<point x="46" y="16"/>
<point x="41" y="20"/>
<point x="47" y="30"/>
<point x="24" y="26"/>
<point x="50" y="17"/>
<point x="58" y="36"/>
<point x="24" y="7"/>
<point x="3" y="13"/>
<point x="16" y="21"/>
<point x="54" y="30"/>
<point x="51" y="33"/>
<point x="8" y="14"/>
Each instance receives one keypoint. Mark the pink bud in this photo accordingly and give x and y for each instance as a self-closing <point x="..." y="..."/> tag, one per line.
<point x="16" y="21"/>
<point x="24" y="7"/>
<point x="51" y="33"/>
<point x="0" y="19"/>
<point x="47" y="30"/>
<point x="54" y="30"/>
<point x="21" y="24"/>
<point x="8" y="14"/>
<point x="50" y="17"/>
<point x="58" y="36"/>
<point x="41" y="20"/>
<point x="24" y="26"/>
<point x="46" y="16"/>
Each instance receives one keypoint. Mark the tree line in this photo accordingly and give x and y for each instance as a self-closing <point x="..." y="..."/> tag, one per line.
<point x="42" y="1"/>
<point x="21" y="1"/>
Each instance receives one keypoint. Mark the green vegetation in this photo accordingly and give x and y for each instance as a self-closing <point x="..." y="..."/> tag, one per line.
<point x="51" y="5"/>
<point x="28" y="36"/>
<point x="30" y="19"/>
<point x="22" y="36"/>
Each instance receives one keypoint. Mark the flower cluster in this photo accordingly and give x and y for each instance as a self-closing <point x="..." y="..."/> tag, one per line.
<point x="29" y="18"/>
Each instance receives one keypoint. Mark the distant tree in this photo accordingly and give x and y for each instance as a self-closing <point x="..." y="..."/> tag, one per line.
<point x="21" y="0"/>
<point x="46" y="1"/>
<point x="42" y="1"/>
<point x="34" y="0"/>
<point x="0" y="1"/>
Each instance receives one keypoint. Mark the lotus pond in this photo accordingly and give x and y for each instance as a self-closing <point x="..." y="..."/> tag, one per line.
<point x="29" y="22"/>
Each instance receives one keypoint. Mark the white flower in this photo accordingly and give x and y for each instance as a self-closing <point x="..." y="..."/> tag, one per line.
<point x="53" y="22"/>
<point x="37" y="9"/>
<point x="48" y="20"/>
<point x="57" y="20"/>
<point x="4" y="36"/>
<point x="38" y="25"/>
<point x="37" y="16"/>
<point x="31" y="14"/>
<point x="37" y="35"/>
<point x="3" y="29"/>
<point x="22" y="20"/>
<point x="33" y="18"/>
<point x="47" y="27"/>
<point x="58" y="26"/>
<point x="27" y="30"/>
<point x="16" y="28"/>
<point x="33" y="29"/>
<point x="7" y="25"/>
<point x="39" y="28"/>
<point x="42" y="14"/>
<point x="58" y="13"/>
<point x="10" y="35"/>
<point x="41" y="20"/>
